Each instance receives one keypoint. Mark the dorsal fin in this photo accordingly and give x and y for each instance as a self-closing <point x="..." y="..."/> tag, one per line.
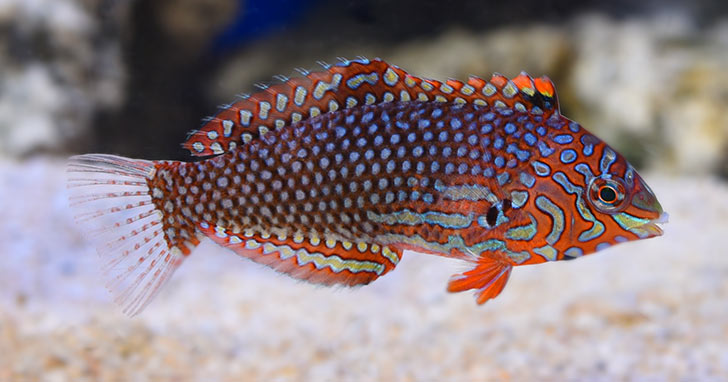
<point x="353" y="83"/>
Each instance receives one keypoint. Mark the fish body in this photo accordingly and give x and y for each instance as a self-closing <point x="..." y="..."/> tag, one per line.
<point x="331" y="176"/>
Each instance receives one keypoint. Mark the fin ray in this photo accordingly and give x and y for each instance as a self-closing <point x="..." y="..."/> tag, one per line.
<point x="488" y="278"/>
<point x="111" y="200"/>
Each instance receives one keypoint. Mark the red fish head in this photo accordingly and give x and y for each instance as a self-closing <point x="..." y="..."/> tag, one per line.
<point x="599" y="198"/>
<point x="619" y="195"/>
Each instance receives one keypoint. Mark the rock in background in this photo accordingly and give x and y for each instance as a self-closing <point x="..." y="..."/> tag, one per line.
<point x="78" y="75"/>
<point x="661" y="81"/>
<point x="59" y="65"/>
<point x="168" y="64"/>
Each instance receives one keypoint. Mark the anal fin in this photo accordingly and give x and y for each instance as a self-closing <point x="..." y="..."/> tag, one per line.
<point x="312" y="259"/>
<point x="488" y="278"/>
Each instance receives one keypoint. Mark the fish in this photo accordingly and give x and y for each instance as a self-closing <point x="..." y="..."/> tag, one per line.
<point x="330" y="176"/>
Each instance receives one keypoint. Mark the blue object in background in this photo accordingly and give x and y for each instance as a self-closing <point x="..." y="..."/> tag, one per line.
<point x="256" y="18"/>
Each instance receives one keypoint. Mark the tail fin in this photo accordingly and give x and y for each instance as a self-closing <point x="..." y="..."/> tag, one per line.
<point x="112" y="201"/>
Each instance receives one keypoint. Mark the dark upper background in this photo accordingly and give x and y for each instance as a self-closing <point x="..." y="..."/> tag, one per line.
<point x="133" y="77"/>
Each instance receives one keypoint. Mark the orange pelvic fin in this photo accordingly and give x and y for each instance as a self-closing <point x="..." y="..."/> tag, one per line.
<point x="488" y="279"/>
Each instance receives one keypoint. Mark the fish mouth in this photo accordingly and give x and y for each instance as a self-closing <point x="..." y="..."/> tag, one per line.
<point x="652" y="228"/>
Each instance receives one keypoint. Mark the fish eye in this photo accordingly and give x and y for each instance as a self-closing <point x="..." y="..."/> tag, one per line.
<point x="607" y="194"/>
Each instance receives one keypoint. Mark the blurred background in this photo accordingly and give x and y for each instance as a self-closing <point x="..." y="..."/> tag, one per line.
<point x="132" y="77"/>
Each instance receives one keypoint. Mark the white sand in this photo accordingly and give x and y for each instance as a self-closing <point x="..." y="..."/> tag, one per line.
<point x="652" y="310"/>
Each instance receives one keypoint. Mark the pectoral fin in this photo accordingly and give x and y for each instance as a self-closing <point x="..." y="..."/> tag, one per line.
<point x="488" y="278"/>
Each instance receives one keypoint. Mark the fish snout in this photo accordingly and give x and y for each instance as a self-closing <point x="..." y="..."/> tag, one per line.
<point x="644" y="203"/>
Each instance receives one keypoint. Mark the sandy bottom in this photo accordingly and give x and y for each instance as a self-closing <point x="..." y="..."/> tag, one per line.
<point x="652" y="310"/>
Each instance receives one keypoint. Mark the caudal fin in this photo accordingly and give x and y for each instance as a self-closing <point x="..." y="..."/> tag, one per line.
<point x="110" y="196"/>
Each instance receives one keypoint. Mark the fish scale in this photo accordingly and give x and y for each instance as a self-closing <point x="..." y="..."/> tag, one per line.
<point x="331" y="176"/>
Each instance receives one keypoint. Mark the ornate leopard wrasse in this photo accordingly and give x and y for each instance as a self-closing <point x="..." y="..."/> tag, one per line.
<point x="330" y="176"/>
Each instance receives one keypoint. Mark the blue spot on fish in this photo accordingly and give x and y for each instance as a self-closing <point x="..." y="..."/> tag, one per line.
<point x="428" y="198"/>
<point x="499" y="161"/>
<point x="523" y="155"/>
<point x="554" y="122"/>
<point x="574" y="252"/>
<point x="563" y="139"/>
<point x="602" y="246"/>
<point x="499" y="142"/>
<point x="542" y="169"/>
<point x="588" y="142"/>
<point x="505" y="112"/>
<point x="545" y="149"/>
<point x="503" y="178"/>
<point x="568" y="156"/>
<point x="527" y="179"/>
<point x="463" y="168"/>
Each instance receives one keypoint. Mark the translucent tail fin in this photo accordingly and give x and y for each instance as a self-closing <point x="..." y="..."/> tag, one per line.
<point x="111" y="198"/>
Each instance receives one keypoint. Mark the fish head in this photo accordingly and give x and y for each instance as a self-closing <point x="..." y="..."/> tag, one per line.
<point x="620" y="197"/>
<point x="589" y="197"/>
